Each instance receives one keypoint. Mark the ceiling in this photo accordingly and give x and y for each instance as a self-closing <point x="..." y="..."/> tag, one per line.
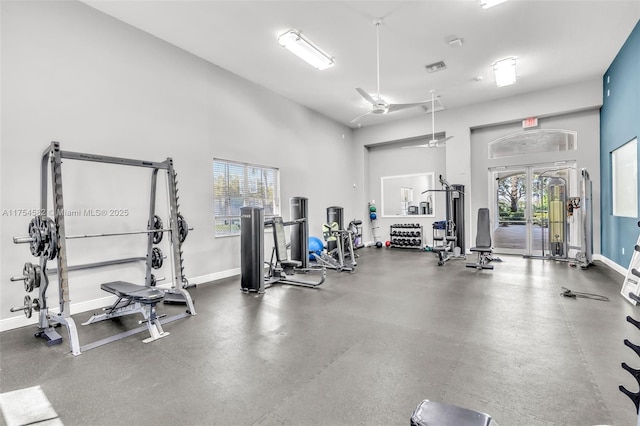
<point x="556" y="42"/>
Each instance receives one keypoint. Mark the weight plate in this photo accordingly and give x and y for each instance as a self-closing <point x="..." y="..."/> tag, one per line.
<point x="157" y="224"/>
<point x="156" y="258"/>
<point x="31" y="275"/>
<point x="37" y="245"/>
<point x="49" y="230"/>
<point x="183" y="228"/>
<point x="28" y="307"/>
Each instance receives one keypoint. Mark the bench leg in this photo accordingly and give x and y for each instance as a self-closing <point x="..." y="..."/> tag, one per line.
<point x="153" y="324"/>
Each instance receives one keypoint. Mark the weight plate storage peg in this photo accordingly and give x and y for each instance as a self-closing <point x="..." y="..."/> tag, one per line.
<point x="156" y="258"/>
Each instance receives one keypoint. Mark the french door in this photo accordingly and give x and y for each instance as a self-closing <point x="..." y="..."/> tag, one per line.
<point x="529" y="209"/>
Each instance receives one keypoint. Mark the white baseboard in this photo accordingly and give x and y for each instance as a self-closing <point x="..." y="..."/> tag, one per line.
<point x="90" y="305"/>
<point x="214" y="276"/>
<point x="76" y="308"/>
<point x="611" y="264"/>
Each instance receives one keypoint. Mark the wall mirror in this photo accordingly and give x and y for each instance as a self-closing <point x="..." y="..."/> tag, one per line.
<point x="405" y="195"/>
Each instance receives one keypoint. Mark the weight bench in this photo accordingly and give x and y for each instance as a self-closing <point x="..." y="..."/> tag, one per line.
<point x="133" y="298"/>
<point x="483" y="241"/>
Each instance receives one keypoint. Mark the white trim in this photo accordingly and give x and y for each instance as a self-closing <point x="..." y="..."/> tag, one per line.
<point x="611" y="264"/>
<point x="202" y="279"/>
<point x="90" y="305"/>
<point x="76" y="308"/>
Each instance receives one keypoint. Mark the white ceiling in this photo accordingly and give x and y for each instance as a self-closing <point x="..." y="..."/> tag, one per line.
<point x="556" y="42"/>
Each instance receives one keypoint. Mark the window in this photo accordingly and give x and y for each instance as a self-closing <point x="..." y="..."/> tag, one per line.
<point x="238" y="185"/>
<point x="533" y="142"/>
<point x="624" y="170"/>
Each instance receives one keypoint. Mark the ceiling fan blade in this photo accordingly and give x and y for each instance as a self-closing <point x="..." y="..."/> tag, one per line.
<point x="367" y="96"/>
<point x="359" y="117"/>
<point x="400" y="107"/>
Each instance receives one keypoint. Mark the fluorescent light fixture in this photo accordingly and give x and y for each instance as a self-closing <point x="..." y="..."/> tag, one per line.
<point x="305" y="49"/>
<point x="486" y="4"/>
<point x="505" y="71"/>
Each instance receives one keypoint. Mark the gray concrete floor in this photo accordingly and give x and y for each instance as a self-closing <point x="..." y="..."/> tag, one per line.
<point x="365" y="348"/>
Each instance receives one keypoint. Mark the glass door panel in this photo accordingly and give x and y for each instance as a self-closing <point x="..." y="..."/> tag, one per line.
<point x="510" y="236"/>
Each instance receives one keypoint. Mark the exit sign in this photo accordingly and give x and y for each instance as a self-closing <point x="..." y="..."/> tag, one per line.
<point x="530" y="122"/>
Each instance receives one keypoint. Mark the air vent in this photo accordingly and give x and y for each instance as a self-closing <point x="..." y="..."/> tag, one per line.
<point x="438" y="66"/>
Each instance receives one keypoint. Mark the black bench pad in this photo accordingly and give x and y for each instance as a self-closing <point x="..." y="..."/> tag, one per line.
<point x="481" y="249"/>
<point x="138" y="293"/>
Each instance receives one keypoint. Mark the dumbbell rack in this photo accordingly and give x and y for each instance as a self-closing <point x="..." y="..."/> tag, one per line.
<point x="634" y="396"/>
<point x="406" y="235"/>
<point x="632" y="279"/>
<point x="630" y="292"/>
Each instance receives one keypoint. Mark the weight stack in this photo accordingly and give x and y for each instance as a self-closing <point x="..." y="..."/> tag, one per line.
<point x="300" y="231"/>
<point x="458" y="215"/>
<point x="335" y="214"/>
<point x="252" y="249"/>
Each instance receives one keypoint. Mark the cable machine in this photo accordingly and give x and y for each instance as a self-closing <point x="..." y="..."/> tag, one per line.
<point x="555" y="242"/>
<point x="453" y="227"/>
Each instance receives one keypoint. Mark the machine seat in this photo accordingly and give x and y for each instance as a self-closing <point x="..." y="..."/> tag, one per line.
<point x="137" y="293"/>
<point x="291" y="263"/>
<point x="481" y="249"/>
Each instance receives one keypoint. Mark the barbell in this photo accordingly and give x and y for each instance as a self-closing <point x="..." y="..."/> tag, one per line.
<point x="43" y="236"/>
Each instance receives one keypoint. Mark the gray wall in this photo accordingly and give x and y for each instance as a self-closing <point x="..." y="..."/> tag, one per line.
<point x="97" y="85"/>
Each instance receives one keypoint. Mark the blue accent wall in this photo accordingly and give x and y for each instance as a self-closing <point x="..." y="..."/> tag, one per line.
<point x="619" y="123"/>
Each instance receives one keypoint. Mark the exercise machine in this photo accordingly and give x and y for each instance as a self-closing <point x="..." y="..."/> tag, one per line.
<point x="448" y="235"/>
<point x="339" y="253"/>
<point x="280" y="269"/>
<point x="483" y="241"/>
<point x="556" y="237"/>
<point x="47" y="241"/>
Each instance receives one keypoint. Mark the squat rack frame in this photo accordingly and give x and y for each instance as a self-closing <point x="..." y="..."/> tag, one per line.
<point x="53" y="156"/>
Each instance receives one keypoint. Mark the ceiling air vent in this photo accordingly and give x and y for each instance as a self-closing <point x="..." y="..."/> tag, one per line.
<point x="437" y="66"/>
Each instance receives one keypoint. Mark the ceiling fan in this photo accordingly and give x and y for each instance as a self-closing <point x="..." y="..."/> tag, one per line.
<point x="433" y="142"/>
<point x="379" y="105"/>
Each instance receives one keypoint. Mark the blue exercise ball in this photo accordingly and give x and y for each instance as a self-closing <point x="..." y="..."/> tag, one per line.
<point x="315" y="246"/>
